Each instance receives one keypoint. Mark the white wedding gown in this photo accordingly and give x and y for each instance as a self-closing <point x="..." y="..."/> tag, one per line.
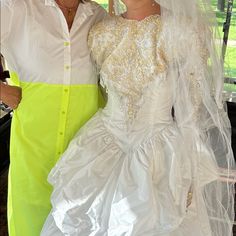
<point x="128" y="171"/>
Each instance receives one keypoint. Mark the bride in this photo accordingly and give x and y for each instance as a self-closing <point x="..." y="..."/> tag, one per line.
<point x="157" y="159"/>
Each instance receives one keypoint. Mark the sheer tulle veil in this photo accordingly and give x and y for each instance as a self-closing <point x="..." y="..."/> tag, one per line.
<point x="196" y="69"/>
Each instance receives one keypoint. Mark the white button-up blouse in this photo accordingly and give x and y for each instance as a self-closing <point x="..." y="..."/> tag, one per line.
<point x="59" y="94"/>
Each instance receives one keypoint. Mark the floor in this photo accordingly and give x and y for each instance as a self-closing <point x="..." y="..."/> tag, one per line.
<point x="3" y="201"/>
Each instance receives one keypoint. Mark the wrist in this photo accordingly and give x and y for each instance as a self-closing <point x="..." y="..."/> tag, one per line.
<point x="2" y="90"/>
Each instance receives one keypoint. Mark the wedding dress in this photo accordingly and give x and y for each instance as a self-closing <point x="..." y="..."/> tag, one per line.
<point x="129" y="170"/>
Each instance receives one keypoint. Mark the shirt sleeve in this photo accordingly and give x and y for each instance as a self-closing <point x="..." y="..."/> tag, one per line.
<point x="7" y="13"/>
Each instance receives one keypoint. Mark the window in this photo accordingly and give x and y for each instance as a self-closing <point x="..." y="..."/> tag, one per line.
<point x="226" y="9"/>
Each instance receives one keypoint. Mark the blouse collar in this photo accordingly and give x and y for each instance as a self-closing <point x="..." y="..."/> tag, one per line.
<point x="88" y="7"/>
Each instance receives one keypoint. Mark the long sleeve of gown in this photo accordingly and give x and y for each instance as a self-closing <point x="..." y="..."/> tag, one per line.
<point x="100" y="36"/>
<point x="190" y="111"/>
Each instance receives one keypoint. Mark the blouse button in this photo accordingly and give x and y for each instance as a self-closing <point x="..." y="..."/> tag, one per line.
<point x="66" y="44"/>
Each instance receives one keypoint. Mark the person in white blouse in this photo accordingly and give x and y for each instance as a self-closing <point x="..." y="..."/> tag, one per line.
<point x="45" y="43"/>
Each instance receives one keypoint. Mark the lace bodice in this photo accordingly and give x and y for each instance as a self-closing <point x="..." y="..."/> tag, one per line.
<point x="133" y="64"/>
<point x="129" y="56"/>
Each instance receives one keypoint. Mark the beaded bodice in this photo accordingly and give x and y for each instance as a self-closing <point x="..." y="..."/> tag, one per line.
<point x="130" y="59"/>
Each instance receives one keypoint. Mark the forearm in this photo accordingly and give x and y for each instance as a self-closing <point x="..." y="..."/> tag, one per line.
<point x="10" y="95"/>
<point x="2" y="91"/>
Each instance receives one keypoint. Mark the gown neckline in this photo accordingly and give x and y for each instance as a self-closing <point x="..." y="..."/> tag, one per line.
<point x="147" y="18"/>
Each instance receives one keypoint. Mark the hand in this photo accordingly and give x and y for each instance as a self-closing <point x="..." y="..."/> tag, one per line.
<point x="10" y="95"/>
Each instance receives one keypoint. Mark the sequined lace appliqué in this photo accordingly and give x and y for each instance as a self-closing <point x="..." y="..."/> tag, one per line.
<point x="130" y="55"/>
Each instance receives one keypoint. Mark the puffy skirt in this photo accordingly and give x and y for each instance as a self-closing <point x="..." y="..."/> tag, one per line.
<point x="117" y="185"/>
